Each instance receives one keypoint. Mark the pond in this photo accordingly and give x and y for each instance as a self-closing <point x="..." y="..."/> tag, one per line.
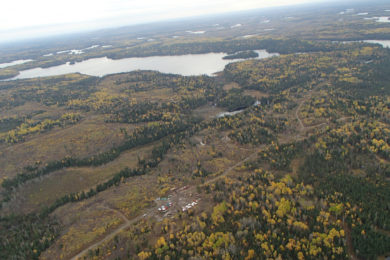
<point x="186" y="65"/>
<point x="223" y="114"/>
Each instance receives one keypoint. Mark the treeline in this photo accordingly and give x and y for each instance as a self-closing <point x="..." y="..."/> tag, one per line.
<point x="234" y="100"/>
<point x="49" y="91"/>
<point x="25" y="237"/>
<point x="143" y="167"/>
<point x="140" y="136"/>
<point x="150" y="112"/>
<point x="7" y="124"/>
<point x="282" y="46"/>
<point x="29" y="127"/>
<point x="139" y="77"/>
<point x="74" y="197"/>
<point x="241" y="55"/>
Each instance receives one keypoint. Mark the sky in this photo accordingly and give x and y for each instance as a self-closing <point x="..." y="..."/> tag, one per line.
<point x="34" y="18"/>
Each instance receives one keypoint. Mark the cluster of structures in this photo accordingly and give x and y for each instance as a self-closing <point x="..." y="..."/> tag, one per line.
<point x="180" y="199"/>
<point x="190" y="205"/>
<point x="166" y="206"/>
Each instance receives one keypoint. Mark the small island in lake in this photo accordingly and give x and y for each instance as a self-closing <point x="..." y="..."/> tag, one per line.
<point x="242" y="55"/>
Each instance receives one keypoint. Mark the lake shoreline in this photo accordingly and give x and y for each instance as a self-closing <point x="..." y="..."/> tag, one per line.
<point x="186" y="65"/>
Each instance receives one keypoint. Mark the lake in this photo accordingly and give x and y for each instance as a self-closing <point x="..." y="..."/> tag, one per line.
<point x="186" y="65"/>
<point x="16" y="62"/>
<point x="384" y="43"/>
<point x="381" y="19"/>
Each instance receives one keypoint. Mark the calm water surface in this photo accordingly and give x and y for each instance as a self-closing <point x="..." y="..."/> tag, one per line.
<point x="384" y="43"/>
<point x="16" y="62"/>
<point x="186" y="65"/>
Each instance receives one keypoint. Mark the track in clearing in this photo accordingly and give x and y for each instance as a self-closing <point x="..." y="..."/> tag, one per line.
<point x="149" y="212"/>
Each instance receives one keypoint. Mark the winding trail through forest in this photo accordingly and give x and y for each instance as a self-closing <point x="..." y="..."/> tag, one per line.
<point x="302" y="125"/>
<point x="297" y="113"/>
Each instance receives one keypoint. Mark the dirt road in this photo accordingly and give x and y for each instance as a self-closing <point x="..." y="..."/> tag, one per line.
<point x="149" y="212"/>
<point x="227" y="171"/>
<point x="115" y="232"/>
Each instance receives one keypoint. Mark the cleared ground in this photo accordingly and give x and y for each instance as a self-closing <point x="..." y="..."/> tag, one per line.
<point x="88" y="137"/>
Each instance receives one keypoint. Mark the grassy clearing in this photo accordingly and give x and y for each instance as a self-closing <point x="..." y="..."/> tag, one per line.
<point x="24" y="110"/>
<point x="157" y="95"/>
<point x="230" y="86"/>
<point x="93" y="223"/>
<point x="255" y="93"/>
<point x="44" y="192"/>
<point x="87" y="221"/>
<point x="89" y="137"/>
<point x="207" y="111"/>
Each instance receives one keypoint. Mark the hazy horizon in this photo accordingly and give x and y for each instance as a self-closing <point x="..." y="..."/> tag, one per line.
<point x="44" y="18"/>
